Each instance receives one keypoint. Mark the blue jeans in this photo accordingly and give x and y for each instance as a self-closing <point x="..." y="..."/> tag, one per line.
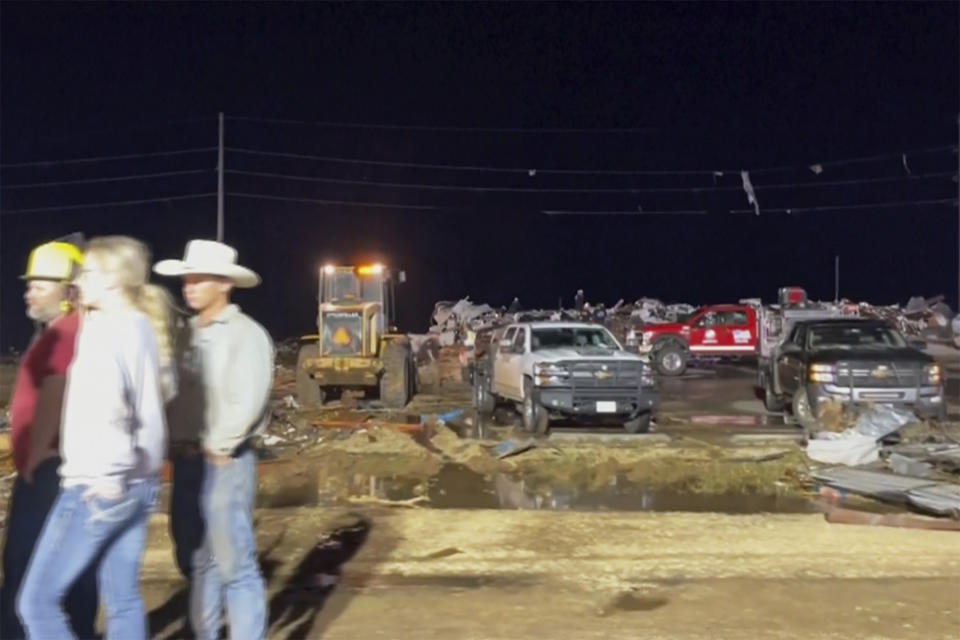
<point x="30" y="504"/>
<point x="81" y="532"/>
<point x="225" y="567"/>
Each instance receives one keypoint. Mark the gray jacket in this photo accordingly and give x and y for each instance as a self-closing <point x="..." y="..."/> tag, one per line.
<point x="225" y="376"/>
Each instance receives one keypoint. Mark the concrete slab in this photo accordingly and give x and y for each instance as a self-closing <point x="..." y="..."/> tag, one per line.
<point x="754" y="438"/>
<point x="610" y="438"/>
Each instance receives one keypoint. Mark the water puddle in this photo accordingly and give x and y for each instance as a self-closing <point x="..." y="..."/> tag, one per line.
<point x="458" y="487"/>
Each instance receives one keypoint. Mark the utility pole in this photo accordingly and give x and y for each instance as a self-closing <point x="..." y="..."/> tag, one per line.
<point x="220" y="183"/>
<point x="836" y="278"/>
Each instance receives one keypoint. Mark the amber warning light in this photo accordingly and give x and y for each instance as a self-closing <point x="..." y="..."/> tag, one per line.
<point x="370" y="269"/>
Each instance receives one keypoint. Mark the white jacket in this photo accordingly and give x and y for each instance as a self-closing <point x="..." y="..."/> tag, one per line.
<point x="113" y="430"/>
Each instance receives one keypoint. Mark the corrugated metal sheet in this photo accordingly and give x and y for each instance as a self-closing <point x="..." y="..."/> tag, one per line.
<point x="884" y="486"/>
<point x="943" y="499"/>
<point x="937" y="497"/>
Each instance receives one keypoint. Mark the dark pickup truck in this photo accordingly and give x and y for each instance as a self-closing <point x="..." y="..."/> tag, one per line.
<point x="851" y="361"/>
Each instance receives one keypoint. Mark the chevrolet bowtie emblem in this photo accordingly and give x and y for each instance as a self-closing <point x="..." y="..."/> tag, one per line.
<point x="881" y="372"/>
<point x="603" y="375"/>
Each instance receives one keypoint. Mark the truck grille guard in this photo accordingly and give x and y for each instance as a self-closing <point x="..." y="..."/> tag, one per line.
<point x="861" y="376"/>
<point x="593" y="378"/>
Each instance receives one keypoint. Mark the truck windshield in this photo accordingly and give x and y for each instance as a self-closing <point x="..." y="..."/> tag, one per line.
<point x="829" y="337"/>
<point x="575" y="337"/>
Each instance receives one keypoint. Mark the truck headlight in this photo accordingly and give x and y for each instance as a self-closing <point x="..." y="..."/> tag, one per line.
<point x="823" y="373"/>
<point x="549" y="373"/>
<point x="647" y="378"/>
<point x="647" y="337"/>
<point x="932" y="374"/>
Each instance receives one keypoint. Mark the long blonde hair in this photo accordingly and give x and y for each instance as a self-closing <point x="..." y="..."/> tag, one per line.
<point x="129" y="259"/>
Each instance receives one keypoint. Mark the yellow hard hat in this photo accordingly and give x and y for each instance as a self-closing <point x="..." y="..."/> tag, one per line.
<point x="53" y="261"/>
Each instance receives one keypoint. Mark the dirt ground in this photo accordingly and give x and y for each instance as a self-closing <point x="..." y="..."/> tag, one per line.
<point x="421" y="573"/>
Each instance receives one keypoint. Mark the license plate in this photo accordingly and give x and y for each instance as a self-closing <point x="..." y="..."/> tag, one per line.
<point x="607" y="407"/>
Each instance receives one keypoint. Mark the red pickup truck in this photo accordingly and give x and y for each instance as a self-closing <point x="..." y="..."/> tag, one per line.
<point x="719" y="330"/>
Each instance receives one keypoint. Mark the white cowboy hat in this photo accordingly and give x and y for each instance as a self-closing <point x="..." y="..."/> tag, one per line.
<point x="209" y="258"/>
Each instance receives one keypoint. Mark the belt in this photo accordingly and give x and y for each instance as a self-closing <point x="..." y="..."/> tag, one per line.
<point x="242" y="448"/>
<point x="185" y="449"/>
<point x="239" y="450"/>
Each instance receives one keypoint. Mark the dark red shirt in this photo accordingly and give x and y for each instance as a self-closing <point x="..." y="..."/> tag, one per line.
<point x="49" y="354"/>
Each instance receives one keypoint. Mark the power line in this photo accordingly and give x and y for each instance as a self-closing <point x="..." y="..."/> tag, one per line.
<point x="849" y="207"/>
<point x="130" y="156"/>
<point x="134" y="127"/>
<point x="639" y="213"/>
<point x="839" y="183"/>
<point x="441" y="187"/>
<point x="140" y="176"/>
<point x="401" y="127"/>
<point x="121" y="203"/>
<point x="533" y="170"/>
<point x="382" y="205"/>
<point x="860" y="160"/>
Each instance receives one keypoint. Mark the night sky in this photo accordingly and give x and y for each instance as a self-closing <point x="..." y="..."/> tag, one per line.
<point x="646" y="110"/>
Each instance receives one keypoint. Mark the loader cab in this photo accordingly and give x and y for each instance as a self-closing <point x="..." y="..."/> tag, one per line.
<point x="357" y="308"/>
<point x="357" y="286"/>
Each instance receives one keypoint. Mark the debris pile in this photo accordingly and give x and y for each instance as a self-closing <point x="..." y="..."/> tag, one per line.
<point x="859" y="444"/>
<point x="895" y="458"/>
<point x="288" y="350"/>
<point x="920" y="317"/>
<point x="453" y="322"/>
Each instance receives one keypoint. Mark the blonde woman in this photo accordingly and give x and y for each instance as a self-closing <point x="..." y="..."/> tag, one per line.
<point x="113" y="440"/>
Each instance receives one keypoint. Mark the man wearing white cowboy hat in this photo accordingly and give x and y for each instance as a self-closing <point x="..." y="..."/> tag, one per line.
<point x="226" y="375"/>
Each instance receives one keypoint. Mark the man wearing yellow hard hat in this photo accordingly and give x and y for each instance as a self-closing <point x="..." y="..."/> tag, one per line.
<point x="35" y="425"/>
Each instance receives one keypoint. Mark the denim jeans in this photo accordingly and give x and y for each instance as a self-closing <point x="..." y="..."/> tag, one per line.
<point x="80" y="532"/>
<point x="225" y="567"/>
<point x="30" y="503"/>
<point x="186" y="517"/>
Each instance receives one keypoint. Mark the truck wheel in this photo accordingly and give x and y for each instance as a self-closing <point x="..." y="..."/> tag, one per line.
<point x="482" y="398"/>
<point x="536" y="419"/>
<point x="803" y="412"/>
<point x="670" y="359"/>
<point x="309" y="393"/>
<point x="639" y="423"/>
<point x="771" y="400"/>
<point x="395" y="383"/>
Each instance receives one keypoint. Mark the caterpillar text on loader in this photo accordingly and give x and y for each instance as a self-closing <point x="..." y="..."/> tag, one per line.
<point x="357" y="344"/>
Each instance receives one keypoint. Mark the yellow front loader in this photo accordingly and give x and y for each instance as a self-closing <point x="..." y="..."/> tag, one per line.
<point x="357" y="345"/>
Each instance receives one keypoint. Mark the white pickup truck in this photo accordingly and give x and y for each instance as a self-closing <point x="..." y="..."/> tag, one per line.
<point x="565" y="369"/>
